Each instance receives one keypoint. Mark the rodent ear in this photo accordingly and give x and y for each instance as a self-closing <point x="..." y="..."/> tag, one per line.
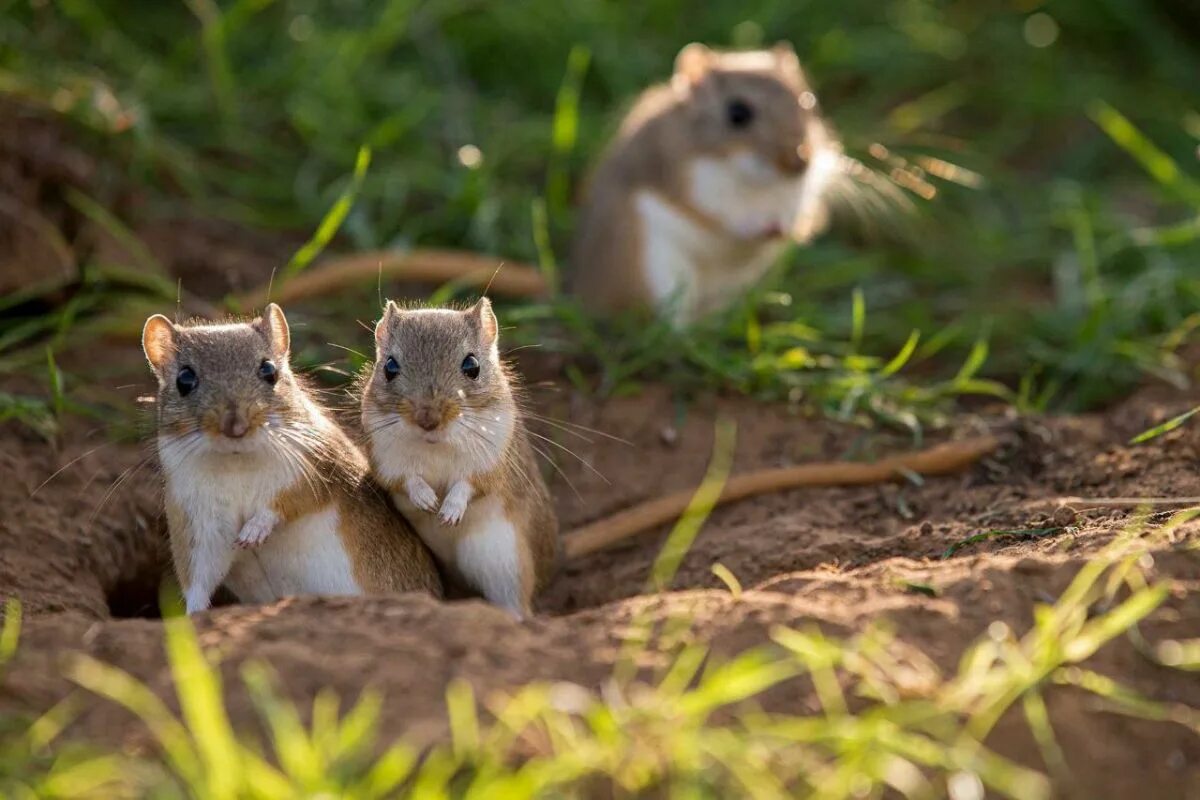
<point x="692" y="64"/>
<point x="482" y="315"/>
<point x="276" y="327"/>
<point x="158" y="342"/>
<point x="785" y="55"/>
<point x="390" y="313"/>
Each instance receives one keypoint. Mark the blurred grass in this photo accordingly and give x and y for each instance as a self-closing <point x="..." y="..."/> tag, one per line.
<point x="693" y="727"/>
<point x="1048" y="150"/>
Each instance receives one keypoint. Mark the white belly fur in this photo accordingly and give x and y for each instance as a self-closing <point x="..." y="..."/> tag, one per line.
<point x="305" y="556"/>
<point x="702" y="269"/>
<point x="483" y="550"/>
<point x="218" y="493"/>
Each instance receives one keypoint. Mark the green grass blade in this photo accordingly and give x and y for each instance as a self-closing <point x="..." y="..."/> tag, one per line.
<point x="1166" y="427"/>
<point x="198" y="686"/>
<point x="1161" y="167"/>
<point x="10" y="634"/>
<point x="566" y="129"/>
<point x="333" y="219"/>
<point x="685" y="531"/>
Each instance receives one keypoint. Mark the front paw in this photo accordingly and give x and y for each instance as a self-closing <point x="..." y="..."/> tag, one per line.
<point x="421" y="494"/>
<point x="453" y="509"/>
<point x="256" y="530"/>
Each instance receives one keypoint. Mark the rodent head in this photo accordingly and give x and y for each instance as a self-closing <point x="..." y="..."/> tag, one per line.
<point x="438" y="375"/>
<point x="220" y="385"/>
<point x="754" y="102"/>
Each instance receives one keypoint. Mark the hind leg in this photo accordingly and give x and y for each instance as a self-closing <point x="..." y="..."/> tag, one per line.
<point x="491" y="560"/>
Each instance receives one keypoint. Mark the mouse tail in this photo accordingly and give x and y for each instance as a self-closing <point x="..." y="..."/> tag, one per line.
<point x="942" y="459"/>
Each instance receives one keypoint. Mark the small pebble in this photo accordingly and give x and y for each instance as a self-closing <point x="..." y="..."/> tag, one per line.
<point x="1064" y="517"/>
<point x="669" y="436"/>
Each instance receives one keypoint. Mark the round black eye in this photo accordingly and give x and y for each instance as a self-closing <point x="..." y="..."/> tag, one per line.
<point x="186" y="380"/>
<point x="470" y="366"/>
<point x="268" y="372"/>
<point x="390" y="368"/>
<point x="740" y="113"/>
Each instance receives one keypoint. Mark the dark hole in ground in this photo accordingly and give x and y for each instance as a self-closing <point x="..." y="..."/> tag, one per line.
<point x="135" y="599"/>
<point x="139" y="597"/>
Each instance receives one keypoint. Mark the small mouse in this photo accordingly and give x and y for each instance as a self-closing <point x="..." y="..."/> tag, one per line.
<point x="446" y="437"/>
<point x="264" y="492"/>
<point x="707" y="179"/>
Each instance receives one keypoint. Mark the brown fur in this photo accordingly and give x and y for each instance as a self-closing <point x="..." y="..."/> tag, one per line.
<point x="429" y="349"/>
<point x="669" y="126"/>
<point x="385" y="554"/>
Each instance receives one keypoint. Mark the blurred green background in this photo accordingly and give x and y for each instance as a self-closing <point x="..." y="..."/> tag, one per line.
<point x="1061" y="258"/>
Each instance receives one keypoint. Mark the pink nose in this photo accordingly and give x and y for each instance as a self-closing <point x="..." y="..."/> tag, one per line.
<point x="427" y="419"/>
<point x="234" y="424"/>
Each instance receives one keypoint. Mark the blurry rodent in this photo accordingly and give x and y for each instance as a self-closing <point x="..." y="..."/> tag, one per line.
<point x="264" y="492"/>
<point x="707" y="179"/>
<point x="445" y="435"/>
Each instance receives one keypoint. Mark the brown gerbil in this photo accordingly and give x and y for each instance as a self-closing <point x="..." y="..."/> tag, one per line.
<point x="264" y="493"/>
<point x="708" y="178"/>
<point x="446" y="437"/>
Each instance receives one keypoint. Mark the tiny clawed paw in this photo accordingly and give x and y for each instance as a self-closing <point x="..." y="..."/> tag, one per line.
<point x="424" y="498"/>
<point x="253" y="534"/>
<point x="251" y="538"/>
<point x="451" y="514"/>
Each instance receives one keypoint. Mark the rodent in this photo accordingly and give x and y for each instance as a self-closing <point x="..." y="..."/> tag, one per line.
<point x="446" y="436"/>
<point x="707" y="178"/>
<point x="709" y="175"/>
<point x="264" y="492"/>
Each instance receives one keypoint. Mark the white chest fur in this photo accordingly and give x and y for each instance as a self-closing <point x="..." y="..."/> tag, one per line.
<point x="484" y="549"/>
<point x="698" y="267"/>
<point x="473" y="444"/>
<point x="226" y="489"/>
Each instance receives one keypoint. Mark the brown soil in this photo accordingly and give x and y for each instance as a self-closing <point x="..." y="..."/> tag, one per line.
<point x="83" y="553"/>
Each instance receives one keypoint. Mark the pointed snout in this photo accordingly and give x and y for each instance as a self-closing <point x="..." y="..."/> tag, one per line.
<point x="427" y="419"/>
<point x="235" y="422"/>
<point x="431" y="414"/>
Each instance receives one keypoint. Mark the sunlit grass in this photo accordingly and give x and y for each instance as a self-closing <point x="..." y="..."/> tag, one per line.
<point x="1077" y="273"/>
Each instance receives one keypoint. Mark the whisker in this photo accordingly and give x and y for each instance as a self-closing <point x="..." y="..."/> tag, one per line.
<point x="557" y="469"/>
<point x="349" y="350"/>
<point x="124" y="476"/>
<point x="67" y="466"/>
<point x="570" y="427"/>
<point x="571" y="452"/>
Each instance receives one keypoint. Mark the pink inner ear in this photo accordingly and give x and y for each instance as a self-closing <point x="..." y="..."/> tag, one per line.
<point x="490" y="328"/>
<point x="486" y="318"/>
<point x="159" y="343"/>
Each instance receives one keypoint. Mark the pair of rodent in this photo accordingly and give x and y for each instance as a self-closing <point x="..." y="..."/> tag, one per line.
<point x="266" y="494"/>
